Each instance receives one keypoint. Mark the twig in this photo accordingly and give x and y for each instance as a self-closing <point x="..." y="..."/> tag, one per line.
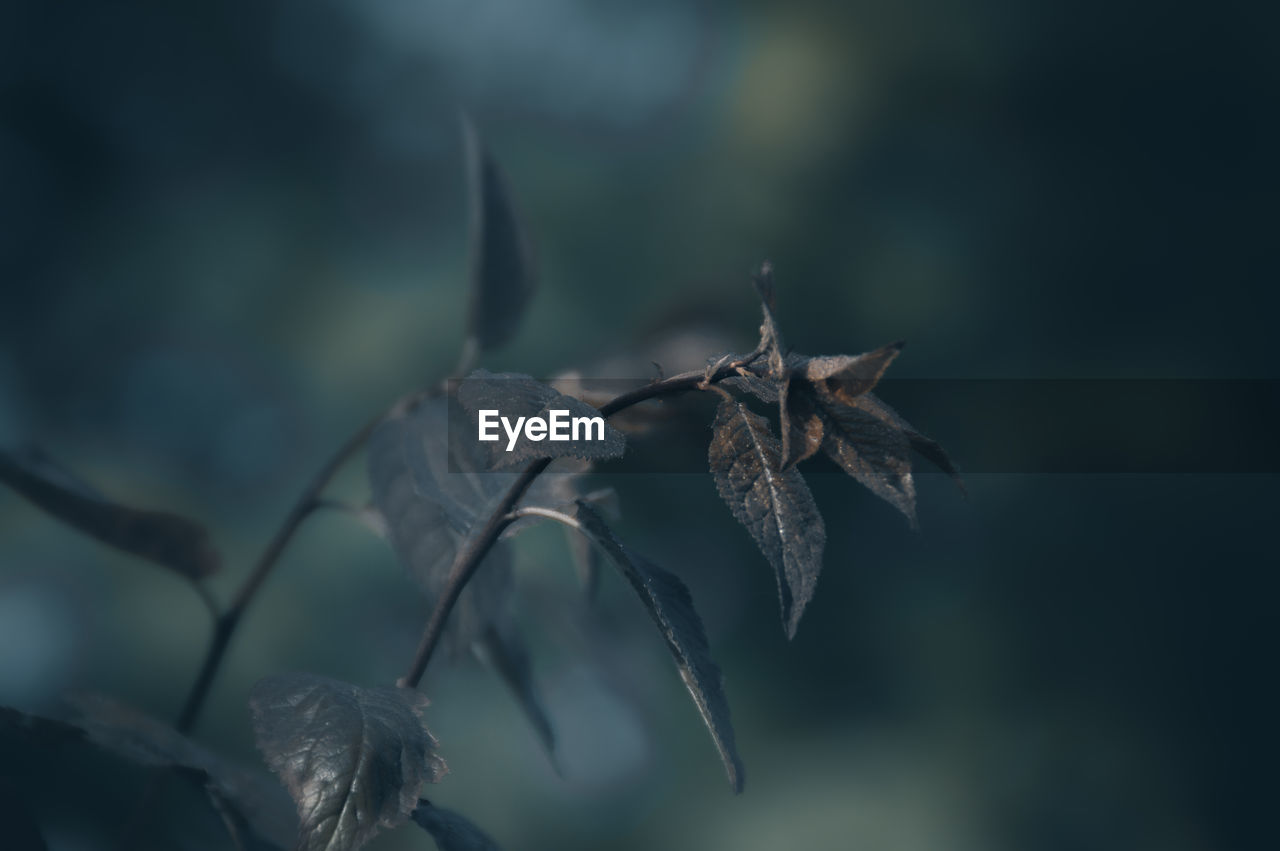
<point x="464" y="567"/>
<point x="224" y="626"/>
<point x="550" y="513"/>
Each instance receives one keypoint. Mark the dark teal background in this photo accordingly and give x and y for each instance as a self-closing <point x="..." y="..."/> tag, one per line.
<point x="231" y="232"/>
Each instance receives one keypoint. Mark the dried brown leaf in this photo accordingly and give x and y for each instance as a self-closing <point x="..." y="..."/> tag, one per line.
<point x="867" y="440"/>
<point x="799" y="421"/>
<point x="842" y="378"/>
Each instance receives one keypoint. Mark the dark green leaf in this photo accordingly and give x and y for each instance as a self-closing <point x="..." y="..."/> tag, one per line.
<point x="503" y="650"/>
<point x="169" y="540"/>
<point x="237" y="826"/>
<point x="253" y="806"/>
<point x="354" y="759"/>
<point x="17" y="822"/>
<point x="586" y="558"/>
<point x="671" y="607"/>
<point x="430" y="510"/>
<point x="774" y="505"/>
<point x="452" y="832"/>
<point x="502" y="274"/>
<point x="250" y="794"/>
<point x="432" y="490"/>
<point x="586" y="562"/>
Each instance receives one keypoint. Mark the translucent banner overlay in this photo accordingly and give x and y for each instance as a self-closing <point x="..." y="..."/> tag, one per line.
<point x="1036" y="426"/>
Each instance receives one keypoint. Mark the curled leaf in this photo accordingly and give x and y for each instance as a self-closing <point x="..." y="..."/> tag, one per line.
<point x="931" y="450"/>
<point x="775" y="505"/>
<point x="353" y="759"/>
<point x="845" y="377"/>
<point x="502" y="274"/>
<point x="802" y="429"/>
<point x="451" y="831"/>
<point x="866" y="439"/>
<point x="169" y="540"/>
<point x="837" y="380"/>
<point x="670" y="605"/>
<point x="504" y="651"/>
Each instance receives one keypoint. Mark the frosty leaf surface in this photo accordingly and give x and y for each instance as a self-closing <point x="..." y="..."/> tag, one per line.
<point x="353" y="759"/>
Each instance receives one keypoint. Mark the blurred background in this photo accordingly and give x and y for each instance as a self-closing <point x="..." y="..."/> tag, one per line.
<point x="231" y="232"/>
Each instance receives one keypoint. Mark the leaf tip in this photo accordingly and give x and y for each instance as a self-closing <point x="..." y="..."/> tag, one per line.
<point x="791" y="622"/>
<point x="763" y="281"/>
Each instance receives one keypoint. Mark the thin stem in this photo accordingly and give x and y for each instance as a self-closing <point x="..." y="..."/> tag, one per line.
<point x="665" y="387"/>
<point x="206" y="597"/>
<point x="468" y="559"/>
<point x="225" y="625"/>
<point x="467" y="357"/>
<point x="550" y="513"/>
<point x="464" y="567"/>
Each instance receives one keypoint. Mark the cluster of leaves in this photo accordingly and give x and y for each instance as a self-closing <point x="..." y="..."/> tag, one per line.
<point x="354" y="758"/>
<point x="823" y="403"/>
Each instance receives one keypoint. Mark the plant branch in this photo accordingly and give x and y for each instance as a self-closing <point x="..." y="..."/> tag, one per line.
<point x="207" y="598"/>
<point x="550" y="513"/>
<point x="464" y="567"/>
<point x="225" y="625"/>
<point x="478" y="545"/>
